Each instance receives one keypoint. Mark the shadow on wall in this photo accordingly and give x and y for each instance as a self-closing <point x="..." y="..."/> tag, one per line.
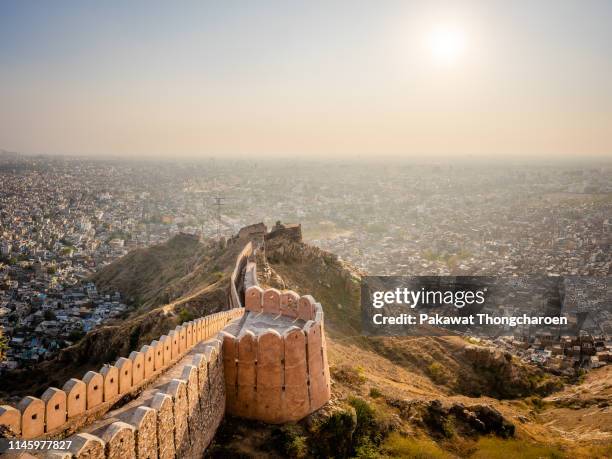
<point x="272" y="377"/>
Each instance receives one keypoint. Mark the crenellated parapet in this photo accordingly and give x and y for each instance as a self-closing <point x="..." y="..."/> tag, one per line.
<point x="276" y="367"/>
<point x="264" y="359"/>
<point x="60" y="411"/>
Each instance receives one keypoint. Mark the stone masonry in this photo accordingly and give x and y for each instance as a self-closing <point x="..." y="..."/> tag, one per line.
<point x="263" y="359"/>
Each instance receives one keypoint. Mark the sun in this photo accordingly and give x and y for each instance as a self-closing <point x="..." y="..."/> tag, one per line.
<point x="447" y="43"/>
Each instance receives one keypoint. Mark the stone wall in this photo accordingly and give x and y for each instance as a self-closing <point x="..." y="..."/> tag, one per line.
<point x="237" y="277"/>
<point x="275" y="377"/>
<point x="60" y="412"/>
<point x="167" y="399"/>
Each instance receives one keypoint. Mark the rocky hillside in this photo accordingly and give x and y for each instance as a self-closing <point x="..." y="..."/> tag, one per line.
<point x="164" y="285"/>
<point x="402" y="397"/>
<point x="429" y="397"/>
<point x="161" y="274"/>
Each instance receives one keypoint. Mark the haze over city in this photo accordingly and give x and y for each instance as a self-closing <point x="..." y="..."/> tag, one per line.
<point x="307" y="79"/>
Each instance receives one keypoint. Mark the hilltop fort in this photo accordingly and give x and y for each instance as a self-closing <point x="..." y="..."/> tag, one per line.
<point x="264" y="358"/>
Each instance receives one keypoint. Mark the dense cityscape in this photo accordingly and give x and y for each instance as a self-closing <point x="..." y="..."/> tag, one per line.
<point x="62" y="219"/>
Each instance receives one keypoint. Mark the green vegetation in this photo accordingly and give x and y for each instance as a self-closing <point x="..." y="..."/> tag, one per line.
<point x="292" y="441"/>
<point x="437" y="373"/>
<point x="375" y="393"/>
<point x="352" y="376"/>
<point x="365" y="418"/>
<point x="217" y="275"/>
<point x="334" y="435"/>
<point x="495" y="448"/>
<point x="397" y="445"/>
<point x="185" y="315"/>
<point x="415" y="448"/>
<point x="536" y="402"/>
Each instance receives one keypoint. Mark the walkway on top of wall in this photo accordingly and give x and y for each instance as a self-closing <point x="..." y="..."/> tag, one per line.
<point x="258" y="323"/>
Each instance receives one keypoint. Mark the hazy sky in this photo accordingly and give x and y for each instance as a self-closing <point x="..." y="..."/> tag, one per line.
<point x="353" y="78"/>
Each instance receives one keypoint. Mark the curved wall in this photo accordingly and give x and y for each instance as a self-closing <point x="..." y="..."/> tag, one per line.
<point x="167" y="399"/>
<point x="274" y="377"/>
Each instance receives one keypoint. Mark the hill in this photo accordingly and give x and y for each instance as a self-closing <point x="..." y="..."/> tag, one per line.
<point x="427" y="396"/>
<point x="407" y="396"/>
<point x="164" y="285"/>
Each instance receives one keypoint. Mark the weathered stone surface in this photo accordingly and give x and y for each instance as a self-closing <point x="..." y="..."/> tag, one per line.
<point x="76" y="397"/>
<point x="269" y="376"/>
<point x="124" y="369"/>
<point x="199" y="361"/>
<point x="10" y="418"/>
<point x="247" y="356"/>
<point x="206" y="328"/>
<point x="94" y="389"/>
<point x="318" y="391"/>
<point x="138" y="367"/>
<point x="148" y="354"/>
<point x="111" y="382"/>
<point x="55" y="408"/>
<point x="306" y="307"/>
<point x="289" y="303"/>
<point x="54" y="454"/>
<point x="182" y="334"/>
<point x="253" y="299"/>
<point x="177" y="389"/>
<point x="198" y="329"/>
<point x="86" y="446"/>
<point x="18" y="455"/>
<point x="167" y="343"/>
<point x="144" y="421"/>
<point x="271" y="301"/>
<point x="174" y="344"/>
<point x="120" y="442"/>
<point x="32" y="417"/>
<point x="189" y="330"/>
<point x="190" y="376"/>
<point x="158" y="350"/>
<point x="229" y="364"/>
<point x="296" y="402"/>
<point x="163" y="405"/>
<point x="194" y="415"/>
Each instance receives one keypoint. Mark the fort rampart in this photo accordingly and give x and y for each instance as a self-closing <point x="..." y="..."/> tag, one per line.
<point x="167" y="399"/>
<point x="277" y="376"/>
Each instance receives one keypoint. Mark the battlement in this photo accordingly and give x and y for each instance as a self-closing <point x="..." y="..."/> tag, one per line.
<point x="276" y="364"/>
<point x="263" y="359"/>
<point x="59" y="412"/>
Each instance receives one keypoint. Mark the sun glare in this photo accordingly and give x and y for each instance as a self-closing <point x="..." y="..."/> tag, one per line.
<point x="446" y="43"/>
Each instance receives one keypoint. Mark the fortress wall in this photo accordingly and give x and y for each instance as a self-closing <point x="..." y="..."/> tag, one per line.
<point x="61" y="412"/>
<point x="167" y="399"/>
<point x="272" y="377"/>
<point x="176" y="417"/>
<point x="250" y="275"/>
<point x="236" y="280"/>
